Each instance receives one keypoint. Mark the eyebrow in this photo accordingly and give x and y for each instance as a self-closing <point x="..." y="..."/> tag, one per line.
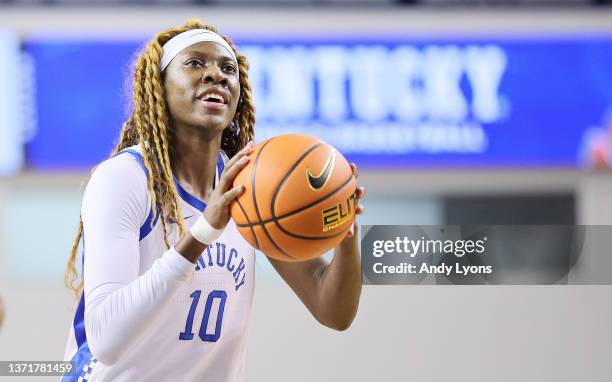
<point x="223" y="58"/>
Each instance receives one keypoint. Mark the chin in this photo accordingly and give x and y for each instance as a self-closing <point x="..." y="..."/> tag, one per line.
<point x="213" y="123"/>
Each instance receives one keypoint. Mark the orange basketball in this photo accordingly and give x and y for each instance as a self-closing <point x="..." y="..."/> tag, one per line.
<point x="299" y="197"/>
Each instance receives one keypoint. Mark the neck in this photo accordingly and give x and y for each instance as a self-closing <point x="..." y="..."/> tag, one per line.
<point x="194" y="160"/>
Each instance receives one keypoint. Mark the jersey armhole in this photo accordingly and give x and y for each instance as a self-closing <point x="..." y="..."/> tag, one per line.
<point x="149" y="223"/>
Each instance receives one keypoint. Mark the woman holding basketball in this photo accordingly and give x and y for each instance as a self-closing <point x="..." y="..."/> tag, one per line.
<point x="168" y="280"/>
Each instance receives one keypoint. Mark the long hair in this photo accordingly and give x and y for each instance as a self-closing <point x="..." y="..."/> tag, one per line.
<point x="149" y="125"/>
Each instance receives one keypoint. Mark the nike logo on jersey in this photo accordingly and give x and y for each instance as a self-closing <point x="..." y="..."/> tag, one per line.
<point x="318" y="181"/>
<point x="172" y="221"/>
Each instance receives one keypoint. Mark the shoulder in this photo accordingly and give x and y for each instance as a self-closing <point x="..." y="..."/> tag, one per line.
<point x="118" y="182"/>
<point x="125" y="167"/>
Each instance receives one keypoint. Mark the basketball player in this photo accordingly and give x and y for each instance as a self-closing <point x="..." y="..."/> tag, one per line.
<point x="168" y="280"/>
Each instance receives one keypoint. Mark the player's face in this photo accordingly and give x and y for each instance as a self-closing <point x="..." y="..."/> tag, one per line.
<point x="202" y="87"/>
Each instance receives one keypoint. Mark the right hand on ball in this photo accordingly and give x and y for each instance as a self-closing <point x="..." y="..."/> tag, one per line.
<point x="217" y="211"/>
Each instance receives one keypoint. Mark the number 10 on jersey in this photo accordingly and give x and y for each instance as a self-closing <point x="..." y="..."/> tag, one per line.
<point x="188" y="333"/>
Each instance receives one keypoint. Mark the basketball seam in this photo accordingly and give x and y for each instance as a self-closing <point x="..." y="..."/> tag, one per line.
<point x="280" y="185"/>
<point x="253" y="174"/>
<point x="276" y="221"/>
<point x="248" y="221"/>
<point x="276" y="218"/>
<point x="288" y="174"/>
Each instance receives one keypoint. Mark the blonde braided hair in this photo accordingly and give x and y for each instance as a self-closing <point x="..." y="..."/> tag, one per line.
<point x="149" y="125"/>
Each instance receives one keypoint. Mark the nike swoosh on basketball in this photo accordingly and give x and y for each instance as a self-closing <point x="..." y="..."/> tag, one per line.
<point x="318" y="181"/>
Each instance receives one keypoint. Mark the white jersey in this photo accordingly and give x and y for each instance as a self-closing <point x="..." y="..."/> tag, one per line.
<point x="148" y="314"/>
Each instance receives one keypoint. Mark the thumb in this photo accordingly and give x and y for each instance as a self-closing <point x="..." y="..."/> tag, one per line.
<point x="353" y="230"/>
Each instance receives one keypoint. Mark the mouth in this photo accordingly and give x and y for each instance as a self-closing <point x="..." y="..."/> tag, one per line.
<point x="213" y="105"/>
<point x="214" y="99"/>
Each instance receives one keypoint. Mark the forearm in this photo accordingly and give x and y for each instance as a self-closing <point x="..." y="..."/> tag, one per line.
<point x="330" y="291"/>
<point x="340" y="286"/>
<point x="190" y="248"/>
<point x="116" y="315"/>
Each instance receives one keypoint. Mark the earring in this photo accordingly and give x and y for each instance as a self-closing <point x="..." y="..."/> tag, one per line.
<point x="239" y="104"/>
<point x="235" y="128"/>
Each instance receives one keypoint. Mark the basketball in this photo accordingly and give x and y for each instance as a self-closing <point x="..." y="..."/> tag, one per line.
<point x="298" y="200"/>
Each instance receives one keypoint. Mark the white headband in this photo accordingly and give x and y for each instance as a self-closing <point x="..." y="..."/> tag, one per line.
<point x="183" y="40"/>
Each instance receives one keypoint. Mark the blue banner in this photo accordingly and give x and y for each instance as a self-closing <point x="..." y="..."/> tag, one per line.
<point x="402" y="103"/>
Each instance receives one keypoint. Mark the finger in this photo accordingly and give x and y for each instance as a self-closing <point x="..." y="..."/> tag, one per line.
<point x="360" y="192"/>
<point x="354" y="170"/>
<point x="227" y="178"/>
<point x="230" y="173"/>
<point x="246" y="150"/>
<point x="359" y="210"/>
<point x="232" y="194"/>
<point x="350" y="231"/>
<point x="353" y="230"/>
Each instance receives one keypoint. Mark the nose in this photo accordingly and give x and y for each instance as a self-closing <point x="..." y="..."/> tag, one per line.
<point x="213" y="74"/>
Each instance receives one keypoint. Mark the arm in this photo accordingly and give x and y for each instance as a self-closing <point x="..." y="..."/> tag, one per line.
<point x="330" y="291"/>
<point x="120" y="304"/>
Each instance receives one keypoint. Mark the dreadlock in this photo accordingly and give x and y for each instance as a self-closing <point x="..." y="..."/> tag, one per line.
<point x="149" y="125"/>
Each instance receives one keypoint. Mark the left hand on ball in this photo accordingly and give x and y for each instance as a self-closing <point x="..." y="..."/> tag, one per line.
<point x="359" y="193"/>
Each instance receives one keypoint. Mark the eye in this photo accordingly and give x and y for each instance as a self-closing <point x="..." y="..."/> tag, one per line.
<point x="230" y="68"/>
<point x="192" y="62"/>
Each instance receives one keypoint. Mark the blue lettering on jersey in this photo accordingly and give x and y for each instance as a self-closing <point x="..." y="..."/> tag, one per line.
<point x="220" y="254"/>
<point x="223" y="260"/>
<point x="209" y="255"/>
<point x="233" y="253"/>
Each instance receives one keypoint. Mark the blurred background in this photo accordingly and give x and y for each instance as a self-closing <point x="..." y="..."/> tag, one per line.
<point x="456" y="112"/>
